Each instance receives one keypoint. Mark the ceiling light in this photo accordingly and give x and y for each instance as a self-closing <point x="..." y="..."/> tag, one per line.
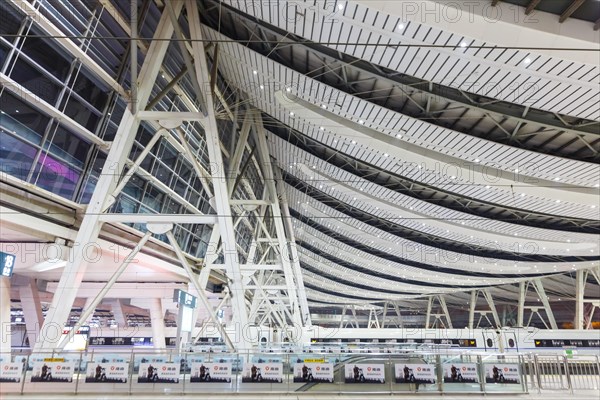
<point x="398" y="135"/>
<point x="557" y="179"/>
<point x="527" y="60"/>
<point x="288" y="89"/>
<point x="477" y="160"/>
<point x="361" y="121"/>
<point x="255" y="72"/>
<point x="386" y="154"/>
<point x="558" y="201"/>
<point x="292" y="113"/>
<point x="324" y="105"/>
<point x="340" y="6"/>
<point x="400" y="26"/>
<point x="463" y="44"/>
<point x="354" y="142"/>
<point x="321" y="128"/>
<point x="262" y="87"/>
<point x="488" y="186"/>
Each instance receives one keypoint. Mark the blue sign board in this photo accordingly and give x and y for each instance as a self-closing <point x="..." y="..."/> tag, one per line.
<point x="184" y="298"/>
<point x="7" y="263"/>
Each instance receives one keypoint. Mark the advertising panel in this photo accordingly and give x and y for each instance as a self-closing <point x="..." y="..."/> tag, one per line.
<point x="456" y="373"/>
<point x="264" y="372"/>
<point x="107" y="372"/>
<point x="502" y="373"/>
<point x="414" y="373"/>
<point x="313" y="372"/>
<point x="52" y="371"/>
<point x="11" y="371"/>
<point x="210" y="372"/>
<point x="364" y="373"/>
<point x="159" y="372"/>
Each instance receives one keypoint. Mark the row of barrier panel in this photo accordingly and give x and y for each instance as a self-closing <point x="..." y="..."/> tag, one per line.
<point x="172" y="372"/>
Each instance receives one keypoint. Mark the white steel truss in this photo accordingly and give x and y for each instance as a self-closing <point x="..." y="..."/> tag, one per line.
<point x="438" y="316"/>
<point x="534" y="309"/>
<point x="273" y="283"/>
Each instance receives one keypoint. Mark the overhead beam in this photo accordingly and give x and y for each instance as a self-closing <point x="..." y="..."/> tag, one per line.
<point x="160" y="218"/>
<point x="597" y="24"/>
<point x="169" y="116"/>
<point x="531" y="6"/>
<point x="570" y="10"/>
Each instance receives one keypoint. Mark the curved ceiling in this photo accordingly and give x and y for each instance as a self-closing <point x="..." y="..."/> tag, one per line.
<point x="405" y="174"/>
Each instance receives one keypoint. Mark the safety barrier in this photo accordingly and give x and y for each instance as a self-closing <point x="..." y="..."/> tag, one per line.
<point x="560" y="372"/>
<point x="209" y="373"/>
<point x="283" y="373"/>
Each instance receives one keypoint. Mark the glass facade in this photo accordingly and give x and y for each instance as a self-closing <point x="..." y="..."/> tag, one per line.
<point x="44" y="151"/>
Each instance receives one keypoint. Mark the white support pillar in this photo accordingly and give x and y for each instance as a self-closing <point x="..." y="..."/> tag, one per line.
<point x="343" y="317"/>
<point x="445" y="310"/>
<point x="521" y="306"/>
<point x="86" y="306"/>
<point x="355" y="318"/>
<point x="428" y="316"/>
<point x="472" y="306"/>
<point x="284" y="255"/>
<point x="32" y="310"/>
<point x="74" y="271"/>
<point x="157" y="320"/>
<point x="117" y="310"/>
<point x="579" y="295"/>
<point x="539" y="287"/>
<point x="236" y="159"/>
<point x="492" y="305"/>
<point x="294" y="257"/>
<point x="232" y="266"/>
<point x="400" y="321"/>
<point x="5" y="326"/>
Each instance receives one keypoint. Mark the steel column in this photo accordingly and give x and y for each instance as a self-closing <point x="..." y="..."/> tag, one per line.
<point x="5" y="324"/>
<point x="492" y="305"/>
<point x="32" y="310"/>
<point x="539" y="287"/>
<point x="579" y="296"/>
<point x="219" y="182"/>
<point x="74" y="271"/>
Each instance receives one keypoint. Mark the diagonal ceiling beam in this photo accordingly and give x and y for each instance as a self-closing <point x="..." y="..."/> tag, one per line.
<point x="570" y="10"/>
<point x="531" y="6"/>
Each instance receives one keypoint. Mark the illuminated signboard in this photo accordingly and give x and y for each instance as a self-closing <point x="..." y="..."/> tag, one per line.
<point x="79" y="341"/>
<point x="7" y="262"/>
<point x="184" y="298"/>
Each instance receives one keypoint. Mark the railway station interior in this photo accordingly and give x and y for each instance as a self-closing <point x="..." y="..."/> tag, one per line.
<point x="302" y="199"/>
